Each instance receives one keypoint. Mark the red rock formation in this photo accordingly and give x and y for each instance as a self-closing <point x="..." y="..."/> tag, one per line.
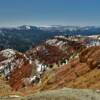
<point x="47" y="54"/>
<point x="51" y="54"/>
<point x="77" y="72"/>
<point x="14" y="66"/>
<point x="16" y="76"/>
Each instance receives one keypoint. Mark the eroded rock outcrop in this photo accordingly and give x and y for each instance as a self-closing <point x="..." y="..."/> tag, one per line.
<point x="82" y="72"/>
<point x="14" y="66"/>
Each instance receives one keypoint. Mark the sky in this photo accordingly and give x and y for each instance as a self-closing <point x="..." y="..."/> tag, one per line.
<point x="49" y="12"/>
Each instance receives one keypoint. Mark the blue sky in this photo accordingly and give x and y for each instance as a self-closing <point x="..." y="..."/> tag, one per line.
<point x="49" y="12"/>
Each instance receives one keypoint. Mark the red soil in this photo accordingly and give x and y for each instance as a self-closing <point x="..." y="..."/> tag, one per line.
<point x="77" y="72"/>
<point x="18" y="74"/>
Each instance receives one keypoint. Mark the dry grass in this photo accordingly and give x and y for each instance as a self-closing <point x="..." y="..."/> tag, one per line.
<point x="88" y="80"/>
<point x="61" y="94"/>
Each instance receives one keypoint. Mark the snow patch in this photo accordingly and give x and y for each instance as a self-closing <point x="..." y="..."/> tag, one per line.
<point x="8" y="53"/>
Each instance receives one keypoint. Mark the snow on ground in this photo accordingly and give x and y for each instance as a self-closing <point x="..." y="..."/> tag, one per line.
<point x="8" y="53"/>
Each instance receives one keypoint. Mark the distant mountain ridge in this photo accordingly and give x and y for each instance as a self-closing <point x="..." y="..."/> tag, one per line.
<point x="24" y="37"/>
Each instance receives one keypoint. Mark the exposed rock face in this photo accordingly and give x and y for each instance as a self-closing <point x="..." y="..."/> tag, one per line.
<point x="16" y="80"/>
<point x="82" y="72"/>
<point x="56" y="49"/>
<point x="14" y="66"/>
<point x="91" y="56"/>
<point x="47" y="54"/>
<point x="54" y="52"/>
<point x="46" y="66"/>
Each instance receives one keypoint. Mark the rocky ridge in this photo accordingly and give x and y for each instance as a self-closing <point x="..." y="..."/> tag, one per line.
<point x="82" y="72"/>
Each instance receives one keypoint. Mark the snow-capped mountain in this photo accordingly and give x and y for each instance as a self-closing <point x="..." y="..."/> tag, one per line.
<point x="60" y="28"/>
<point x="24" y="27"/>
<point x="24" y="37"/>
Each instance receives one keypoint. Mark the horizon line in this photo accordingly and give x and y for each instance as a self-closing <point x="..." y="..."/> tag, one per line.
<point x="54" y="25"/>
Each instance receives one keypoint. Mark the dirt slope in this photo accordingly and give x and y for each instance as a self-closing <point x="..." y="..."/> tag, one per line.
<point x="83" y="72"/>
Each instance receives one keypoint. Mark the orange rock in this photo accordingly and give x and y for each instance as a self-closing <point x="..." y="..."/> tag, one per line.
<point x="77" y="73"/>
<point x="17" y="76"/>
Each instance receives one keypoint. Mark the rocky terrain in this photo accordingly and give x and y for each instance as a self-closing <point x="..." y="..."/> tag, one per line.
<point x="14" y="66"/>
<point x="82" y="72"/>
<point x="59" y="62"/>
